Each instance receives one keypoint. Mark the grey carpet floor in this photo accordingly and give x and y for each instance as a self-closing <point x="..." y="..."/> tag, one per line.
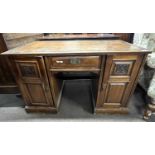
<point x="76" y="105"/>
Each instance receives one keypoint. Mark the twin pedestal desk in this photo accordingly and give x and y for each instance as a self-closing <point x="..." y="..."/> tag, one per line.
<point x="41" y="68"/>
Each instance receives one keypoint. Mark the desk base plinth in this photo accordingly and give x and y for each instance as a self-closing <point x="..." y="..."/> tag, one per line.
<point x="40" y="109"/>
<point x="121" y="110"/>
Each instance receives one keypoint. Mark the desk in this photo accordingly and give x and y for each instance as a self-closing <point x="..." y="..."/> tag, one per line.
<point x="41" y="68"/>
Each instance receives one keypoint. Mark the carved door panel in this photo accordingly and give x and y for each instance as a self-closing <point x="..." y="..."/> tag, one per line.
<point x="118" y="79"/>
<point x="33" y="81"/>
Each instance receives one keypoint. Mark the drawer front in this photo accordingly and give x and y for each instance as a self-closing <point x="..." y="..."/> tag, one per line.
<point x="74" y="62"/>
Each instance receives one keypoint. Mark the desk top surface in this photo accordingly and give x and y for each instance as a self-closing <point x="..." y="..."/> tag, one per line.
<point x="76" y="47"/>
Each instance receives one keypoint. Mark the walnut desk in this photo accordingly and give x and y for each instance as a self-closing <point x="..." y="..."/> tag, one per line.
<point x="41" y="68"/>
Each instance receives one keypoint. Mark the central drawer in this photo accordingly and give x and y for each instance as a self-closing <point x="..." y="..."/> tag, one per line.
<point x="74" y="62"/>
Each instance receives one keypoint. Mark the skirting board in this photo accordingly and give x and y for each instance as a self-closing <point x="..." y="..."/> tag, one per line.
<point x="9" y="89"/>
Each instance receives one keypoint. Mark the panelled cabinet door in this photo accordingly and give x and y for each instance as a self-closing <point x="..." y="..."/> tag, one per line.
<point x="118" y="79"/>
<point x="33" y="81"/>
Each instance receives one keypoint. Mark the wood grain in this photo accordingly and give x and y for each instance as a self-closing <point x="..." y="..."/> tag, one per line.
<point x="75" y="47"/>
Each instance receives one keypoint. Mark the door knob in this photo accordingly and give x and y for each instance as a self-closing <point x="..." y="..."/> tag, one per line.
<point x="104" y="86"/>
<point x="46" y="88"/>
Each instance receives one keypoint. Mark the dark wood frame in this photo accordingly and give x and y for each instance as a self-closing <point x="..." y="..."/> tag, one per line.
<point x="7" y="81"/>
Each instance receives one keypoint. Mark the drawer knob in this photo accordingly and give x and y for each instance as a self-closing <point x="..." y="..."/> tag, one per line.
<point x="59" y="61"/>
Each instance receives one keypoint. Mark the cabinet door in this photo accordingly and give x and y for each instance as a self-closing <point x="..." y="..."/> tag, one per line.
<point x="118" y="79"/>
<point x="33" y="82"/>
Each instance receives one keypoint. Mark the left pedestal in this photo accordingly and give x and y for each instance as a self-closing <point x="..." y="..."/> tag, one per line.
<point x="31" y="76"/>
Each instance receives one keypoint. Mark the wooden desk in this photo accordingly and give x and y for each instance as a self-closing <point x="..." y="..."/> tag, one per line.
<point x="41" y="67"/>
